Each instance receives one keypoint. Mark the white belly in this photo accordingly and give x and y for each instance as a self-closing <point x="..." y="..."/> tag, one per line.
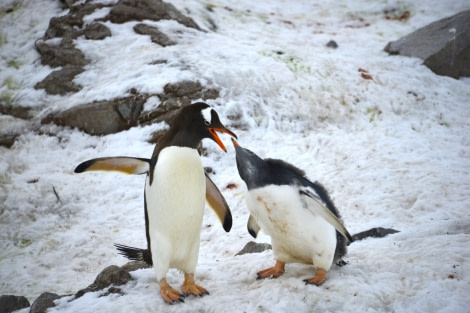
<point x="297" y="236"/>
<point x="175" y="205"/>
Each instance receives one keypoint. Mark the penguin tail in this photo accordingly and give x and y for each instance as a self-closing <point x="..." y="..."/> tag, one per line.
<point x="376" y="232"/>
<point x="134" y="254"/>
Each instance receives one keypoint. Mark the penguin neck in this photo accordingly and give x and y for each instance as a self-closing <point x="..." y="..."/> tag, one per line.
<point x="177" y="138"/>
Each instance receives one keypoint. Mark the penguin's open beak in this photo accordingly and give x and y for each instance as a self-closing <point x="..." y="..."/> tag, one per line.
<point x="222" y="129"/>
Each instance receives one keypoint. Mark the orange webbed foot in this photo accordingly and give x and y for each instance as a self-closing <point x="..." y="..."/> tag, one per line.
<point x="274" y="272"/>
<point x="190" y="287"/>
<point x="169" y="294"/>
<point x="318" y="279"/>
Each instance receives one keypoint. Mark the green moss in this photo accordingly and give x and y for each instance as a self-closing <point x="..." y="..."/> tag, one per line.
<point x="13" y="63"/>
<point x="7" y="98"/>
<point x="373" y="112"/>
<point x="13" y="7"/>
<point x="23" y="243"/>
<point x="11" y="84"/>
<point x="294" y="63"/>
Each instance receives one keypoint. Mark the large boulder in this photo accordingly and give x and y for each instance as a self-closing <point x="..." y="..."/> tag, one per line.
<point x="114" y="115"/>
<point x="154" y="10"/>
<point x="444" y="45"/>
<point x="112" y="275"/>
<point x="60" y="82"/>
<point x="101" y="117"/>
<point x="44" y="302"/>
<point x="10" y="303"/>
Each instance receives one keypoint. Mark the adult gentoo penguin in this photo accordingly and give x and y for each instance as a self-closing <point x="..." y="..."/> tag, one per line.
<point x="176" y="188"/>
<point x="298" y="215"/>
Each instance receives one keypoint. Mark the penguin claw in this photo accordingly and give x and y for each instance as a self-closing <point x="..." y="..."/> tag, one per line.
<point x="317" y="279"/>
<point x="191" y="288"/>
<point x="273" y="272"/>
<point x="198" y="293"/>
<point x="169" y="294"/>
<point x="179" y="300"/>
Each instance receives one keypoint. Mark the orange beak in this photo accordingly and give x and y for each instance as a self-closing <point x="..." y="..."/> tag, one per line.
<point x="214" y="131"/>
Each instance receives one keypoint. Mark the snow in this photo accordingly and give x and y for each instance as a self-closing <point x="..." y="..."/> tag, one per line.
<point x="393" y="151"/>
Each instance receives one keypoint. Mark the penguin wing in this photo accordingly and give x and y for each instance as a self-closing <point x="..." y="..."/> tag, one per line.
<point x="316" y="206"/>
<point x="217" y="202"/>
<point x="253" y="227"/>
<point x="128" y="165"/>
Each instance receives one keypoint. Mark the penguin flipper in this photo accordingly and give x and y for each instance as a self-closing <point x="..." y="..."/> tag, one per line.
<point x="217" y="202"/>
<point x="253" y="227"/>
<point x="314" y="204"/>
<point x="128" y="165"/>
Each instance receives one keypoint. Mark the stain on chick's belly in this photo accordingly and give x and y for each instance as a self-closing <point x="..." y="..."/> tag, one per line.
<point x="277" y="222"/>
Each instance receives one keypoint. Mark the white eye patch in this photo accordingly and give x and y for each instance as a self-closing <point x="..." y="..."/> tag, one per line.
<point x="207" y="115"/>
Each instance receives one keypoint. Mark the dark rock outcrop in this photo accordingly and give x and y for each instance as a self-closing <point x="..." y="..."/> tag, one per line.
<point x="61" y="55"/>
<point x="60" y="82"/>
<point x="71" y="25"/>
<point x="109" y="278"/>
<point x="44" y="302"/>
<point x="101" y="117"/>
<point x="154" y="10"/>
<point x="443" y="45"/>
<point x="112" y="275"/>
<point x="10" y="303"/>
<point x="96" y="31"/>
<point x="155" y="34"/>
<point x="115" y="115"/>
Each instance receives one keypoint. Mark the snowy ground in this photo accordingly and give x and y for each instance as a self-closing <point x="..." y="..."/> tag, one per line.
<point x="393" y="151"/>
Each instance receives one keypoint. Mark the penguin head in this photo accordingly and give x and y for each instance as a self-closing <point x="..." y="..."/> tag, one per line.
<point x="196" y="122"/>
<point x="251" y="167"/>
<point x="257" y="172"/>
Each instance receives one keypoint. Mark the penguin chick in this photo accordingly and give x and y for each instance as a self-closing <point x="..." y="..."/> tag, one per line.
<point x="298" y="215"/>
<point x="176" y="189"/>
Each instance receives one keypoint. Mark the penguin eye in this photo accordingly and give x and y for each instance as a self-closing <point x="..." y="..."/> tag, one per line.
<point x="207" y="123"/>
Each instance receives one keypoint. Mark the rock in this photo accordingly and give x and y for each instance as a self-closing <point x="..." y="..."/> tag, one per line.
<point x="60" y="82"/>
<point x="59" y="26"/>
<point x="154" y="10"/>
<point x="16" y="111"/>
<point x="155" y="34"/>
<point x="111" y="275"/>
<point x="61" y="55"/>
<point x="443" y="45"/>
<point x="115" y="115"/>
<point x="10" y="303"/>
<point x="253" y="247"/>
<point x="44" y="302"/>
<point x="101" y="117"/>
<point x="112" y="290"/>
<point x="183" y="89"/>
<point x="175" y="97"/>
<point x="134" y="266"/>
<point x="96" y="31"/>
<point x="332" y="44"/>
<point x="8" y="139"/>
